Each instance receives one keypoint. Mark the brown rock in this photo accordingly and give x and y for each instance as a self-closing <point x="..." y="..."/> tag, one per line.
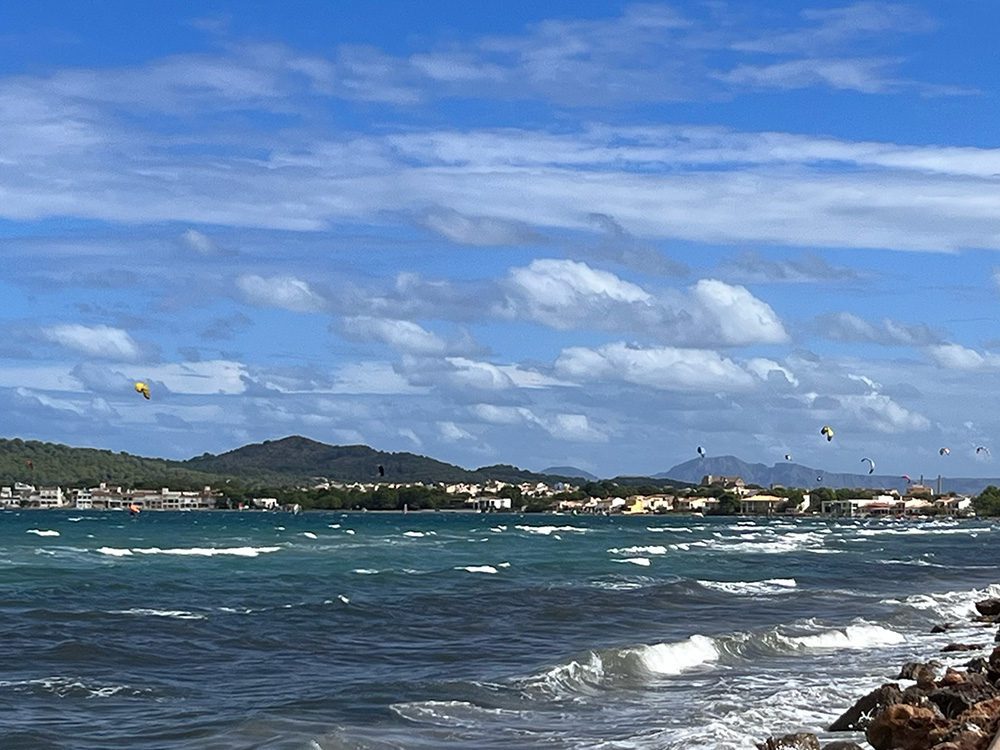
<point x="985" y="715"/>
<point x="954" y="700"/>
<point x="952" y="677"/>
<point x="943" y="627"/>
<point x="962" y="647"/>
<point x="842" y="745"/>
<point x="903" y="727"/>
<point x="988" y="607"/>
<point x="976" y="665"/>
<point x="858" y="716"/>
<point x="797" y="741"/>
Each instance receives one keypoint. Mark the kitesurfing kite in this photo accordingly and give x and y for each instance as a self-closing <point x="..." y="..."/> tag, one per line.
<point x="983" y="449"/>
<point x="701" y="451"/>
<point x="944" y="451"/>
<point x="142" y="388"/>
<point x="827" y="431"/>
<point x="788" y="456"/>
<point x="871" y="465"/>
<point x="819" y="478"/>
<point x="907" y="478"/>
<point x="381" y="470"/>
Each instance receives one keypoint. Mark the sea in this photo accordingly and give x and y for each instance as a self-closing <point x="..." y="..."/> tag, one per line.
<point x="327" y="630"/>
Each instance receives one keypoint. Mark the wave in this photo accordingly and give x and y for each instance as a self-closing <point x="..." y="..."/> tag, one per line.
<point x="753" y="588"/>
<point x="851" y="637"/>
<point x="651" y="549"/>
<point x="644" y="561"/>
<point x="309" y="535"/>
<point x="365" y="571"/>
<point x="177" y="614"/>
<point x="70" y="687"/>
<point x="188" y="551"/>
<point x="548" y="530"/>
<point x="947" y="605"/>
<point x="418" y="534"/>
<point x="42" y="532"/>
<point x="600" y="669"/>
<point x="478" y="569"/>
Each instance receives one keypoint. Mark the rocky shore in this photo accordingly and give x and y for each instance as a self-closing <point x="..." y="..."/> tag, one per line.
<point x="946" y="708"/>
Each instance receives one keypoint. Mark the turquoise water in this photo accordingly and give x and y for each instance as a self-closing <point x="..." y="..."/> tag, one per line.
<point x="436" y="630"/>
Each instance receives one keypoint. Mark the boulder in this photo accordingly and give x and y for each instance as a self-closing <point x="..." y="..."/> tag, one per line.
<point x="976" y="665"/>
<point x="961" y="737"/>
<point x="842" y="745"/>
<point x="985" y="715"/>
<point x="943" y="627"/>
<point x="956" y="699"/>
<point x="914" y="670"/>
<point x="903" y="727"/>
<point x="988" y="607"/>
<point x="952" y="677"/>
<point x="797" y="741"/>
<point x="962" y="647"/>
<point x="858" y="716"/>
<point x="993" y="665"/>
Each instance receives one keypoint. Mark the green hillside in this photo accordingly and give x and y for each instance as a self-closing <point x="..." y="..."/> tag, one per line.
<point x="39" y="463"/>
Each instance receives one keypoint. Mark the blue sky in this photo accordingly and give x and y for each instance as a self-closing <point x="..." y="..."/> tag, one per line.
<point x="597" y="234"/>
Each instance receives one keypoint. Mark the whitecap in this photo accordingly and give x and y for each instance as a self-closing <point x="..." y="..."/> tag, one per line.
<point x="851" y="637"/>
<point x="309" y="535"/>
<point x="365" y="571"/>
<point x="674" y="658"/>
<point x="548" y="530"/>
<point x="644" y="561"/>
<point x="177" y="614"/>
<point x="42" y="532"/>
<point x="415" y="534"/>
<point x="115" y="551"/>
<point x="753" y="588"/>
<point x="652" y="549"/>
<point x="202" y="551"/>
<point x="343" y="599"/>
<point x="478" y="569"/>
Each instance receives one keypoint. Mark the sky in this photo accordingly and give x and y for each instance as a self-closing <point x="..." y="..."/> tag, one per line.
<point x="546" y="234"/>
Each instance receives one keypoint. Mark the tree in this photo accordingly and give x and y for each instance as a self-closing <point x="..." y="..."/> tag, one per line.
<point x="987" y="503"/>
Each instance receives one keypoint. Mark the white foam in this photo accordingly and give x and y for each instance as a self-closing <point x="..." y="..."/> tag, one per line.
<point x="343" y="599"/>
<point x="674" y="658"/>
<point x="548" y="530"/>
<point x="415" y="534"/>
<point x="669" y="529"/>
<point x="753" y="588"/>
<point x="189" y="551"/>
<point x="177" y="614"/>
<point x="498" y="529"/>
<point x="644" y="561"/>
<point x="42" y="532"/>
<point x="334" y="525"/>
<point x="349" y="531"/>
<point x="115" y="551"/>
<point x="365" y="571"/>
<point x="851" y="637"/>
<point x="478" y="569"/>
<point x="309" y="535"/>
<point x="651" y="549"/>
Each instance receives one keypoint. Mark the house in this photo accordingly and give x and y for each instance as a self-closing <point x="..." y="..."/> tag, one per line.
<point x="762" y="505"/>
<point x="47" y="497"/>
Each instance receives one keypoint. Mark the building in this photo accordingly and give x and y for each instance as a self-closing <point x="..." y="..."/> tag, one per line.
<point x="762" y="505"/>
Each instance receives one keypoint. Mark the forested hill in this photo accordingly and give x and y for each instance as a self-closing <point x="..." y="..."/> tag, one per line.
<point x="302" y="458"/>
<point x="39" y="463"/>
<point x="273" y="463"/>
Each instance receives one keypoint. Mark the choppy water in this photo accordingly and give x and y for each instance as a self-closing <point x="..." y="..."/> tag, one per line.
<point x="436" y="630"/>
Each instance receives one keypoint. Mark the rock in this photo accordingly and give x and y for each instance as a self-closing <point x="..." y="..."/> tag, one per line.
<point x="797" y="741"/>
<point x="858" y="716"/>
<point x="977" y="665"/>
<point x="988" y="607"/>
<point x="985" y="715"/>
<point x="956" y="699"/>
<point x="842" y="745"/>
<point x="913" y="670"/>
<point x="943" y="627"/>
<point x="903" y="727"/>
<point x="962" y="647"/>
<point x="961" y="737"/>
<point x="993" y="665"/>
<point x="996" y="638"/>
<point x="952" y="677"/>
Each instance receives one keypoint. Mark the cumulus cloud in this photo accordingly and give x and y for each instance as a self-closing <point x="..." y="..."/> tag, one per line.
<point x="738" y="316"/>
<point x="452" y="433"/>
<point x="286" y="292"/>
<point x="95" y="341"/>
<point x="561" y="426"/>
<point x="958" y="357"/>
<point x="403" y="335"/>
<point x="662" y="368"/>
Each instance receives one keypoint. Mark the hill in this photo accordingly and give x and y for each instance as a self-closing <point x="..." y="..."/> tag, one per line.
<point x="570" y="471"/>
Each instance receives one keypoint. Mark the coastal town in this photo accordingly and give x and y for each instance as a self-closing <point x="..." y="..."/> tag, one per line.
<point x="714" y="495"/>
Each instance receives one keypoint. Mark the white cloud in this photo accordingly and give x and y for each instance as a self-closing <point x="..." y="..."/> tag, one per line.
<point x="209" y="377"/>
<point x="199" y="242"/>
<point x="845" y="326"/>
<point x="286" y="292"/>
<point x="574" y="428"/>
<point x="763" y="368"/>
<point x="95" y="341"/>
<point x="958" y="357"/>
<point x="452" y="433"/>
<point x="478" y="230"/>
<point x="663" y="368"/>
<point x="740" y="317"/>
<point x="403" y="335"/>
<point x="883" y="414"/>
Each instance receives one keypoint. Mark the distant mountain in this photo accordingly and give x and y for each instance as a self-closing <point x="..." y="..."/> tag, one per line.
<point x="570" y="471"/>
<point x="796" y="475"/>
